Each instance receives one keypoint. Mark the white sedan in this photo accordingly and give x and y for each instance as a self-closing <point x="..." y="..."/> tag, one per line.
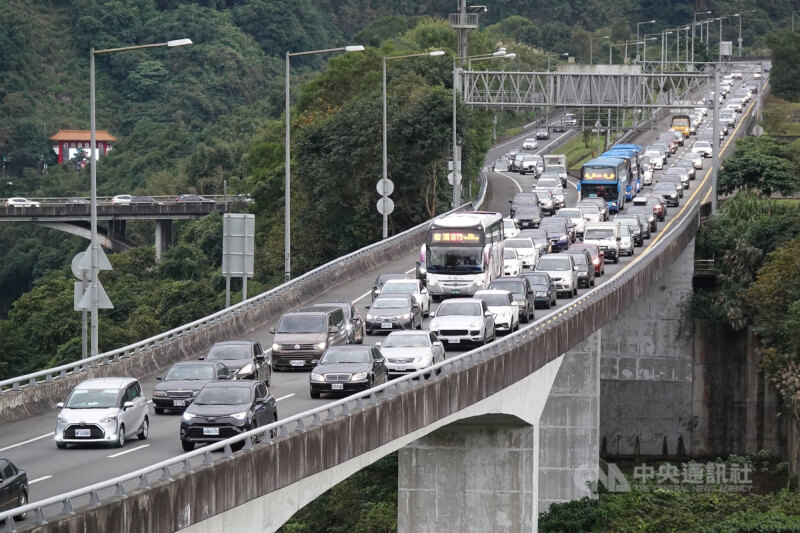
<point x="512" y="264"/>
<point x="501" y="304"/>
<point x="510" y="228"/>
<point x="413" y="287"/>
<point x="530" y="144"/>
<point x="409" y="351"/>
<point x="21" y="202"/>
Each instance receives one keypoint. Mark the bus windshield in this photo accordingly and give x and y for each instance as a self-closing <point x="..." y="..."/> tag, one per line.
<point x="455" y="260"/>
<point x="599" y="173"/>
<point x="606" y="192"/>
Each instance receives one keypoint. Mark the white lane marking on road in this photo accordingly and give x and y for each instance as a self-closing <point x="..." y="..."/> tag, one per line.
<point x="38" y="479"/>
<point x="143" y="446"/>
<point x="284" y="397"/>
<point x="515" y="182"/>
<point x="27" y="441"/>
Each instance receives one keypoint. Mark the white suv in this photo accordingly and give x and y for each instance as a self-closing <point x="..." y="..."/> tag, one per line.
<point x="530" y="144"/>
<point x="562" y="270"/>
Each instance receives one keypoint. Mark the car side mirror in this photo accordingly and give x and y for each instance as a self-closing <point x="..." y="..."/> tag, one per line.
<point x="60" y="405"/>
<point x="367" y="307"/>
<point x="333" y="329"/>
<point x="488" y="313"/>
<point x="619" y="239"/>
<point x="437" y="343"/>
<point x="201" y="358"/>
<point x="260" y="357"/>
<point x="378" y="344"/>
<point x="127" y="405"/>
<point x="159" y="378"/>
<point x="272" y="330"/>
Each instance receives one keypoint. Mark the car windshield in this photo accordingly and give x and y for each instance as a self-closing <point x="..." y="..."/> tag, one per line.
<point x="557" y="168"/>
<point x="383" y="278"/>
<point x="666" y="187"/>
<point x="514" y="286"/>
<point x="599" y="233"/>
<point x="525" y="198"/>
<point x="553" y="263"/>
<point x="589" y="210"/>
<point x="228" y="351"/>
<point x="93" y="399"/>
<point x="494" y="300"/>
<point x="389" y="303"/>
<point x="400" y="287"/>
<point x="190" y="373"/>
<point x="570" y="213"/>
<point x="459" y="308"/>
<point x="346" y="355"/>
<point x="510" y="254"/>
<point x="537" y="280"/>
<point x="223" y="396"/>
<point x="518" y="243"/>
<point x="580" y="259"/>
<point x="301" y="324"/>
<point x="407" y="341"/>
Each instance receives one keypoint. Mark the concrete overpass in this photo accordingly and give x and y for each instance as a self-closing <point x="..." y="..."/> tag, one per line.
<point x="73" y="218"/>
<point x="522" y="414"/>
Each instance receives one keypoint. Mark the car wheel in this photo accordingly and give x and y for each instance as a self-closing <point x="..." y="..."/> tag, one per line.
<point x="22" y="500"/>
<point x="61" y="445"/>
<point x="187" y="446"/>
<point x="314" y="394"/>
<point x="575" y="291"/>
<point x="159" y="410"/>
<point x="616" y="259"/>
<point x="592" y="284"/>
<point x="121" y="437"/>
<point x="145" y="431"/>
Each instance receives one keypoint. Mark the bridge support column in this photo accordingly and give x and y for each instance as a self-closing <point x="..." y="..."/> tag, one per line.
<point x="116" y="233"/>
<point x="646" y="371"/>
<point x="569" y="428"/>
<point x="163" y="238"/>
<point x="473" y="475"/>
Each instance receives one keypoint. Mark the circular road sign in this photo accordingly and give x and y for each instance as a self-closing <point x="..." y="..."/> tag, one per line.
<point x="385" y="206"/>
<point x="385" y="187"/>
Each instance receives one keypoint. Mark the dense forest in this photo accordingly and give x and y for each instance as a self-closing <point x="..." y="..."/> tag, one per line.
<point x="207" y="117"/>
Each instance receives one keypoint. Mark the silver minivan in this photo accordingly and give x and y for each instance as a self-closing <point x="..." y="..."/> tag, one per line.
<point x="103" y="410"/>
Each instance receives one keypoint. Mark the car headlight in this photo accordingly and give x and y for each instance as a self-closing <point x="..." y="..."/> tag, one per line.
<point x="349" y="326"/>
<point x="614" y="204"/>
<point x="159" y="393"/>
<point x="239" y="416"/>
<point x="276" y="347"/>
<point x="246" y="369"/>
<point x="596" y="261"/>
<point x="406" y="316"/>
<point x="563" y="237"/>
<point x="62" y="419"/>
<point x="541" y="293"/>
<point x="107" y="419"/>
<point x="434" y="325"/>
<point x="370" y="317"/>
<point x="360" y="376"/>
<point x="431" y="282"/>
<point x="188" y="416"/>
<point x="318" y="378"/>
<point x="321" y="345"/>
<point x="477" y="282"/>
<point x="475" y="324"/>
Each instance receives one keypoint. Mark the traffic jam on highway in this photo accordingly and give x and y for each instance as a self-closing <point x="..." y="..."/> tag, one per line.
<point x="479" y="274"/>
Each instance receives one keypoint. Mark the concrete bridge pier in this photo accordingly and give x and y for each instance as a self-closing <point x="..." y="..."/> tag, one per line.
<point x="163" y="237"/>
<point x="497" y="472"/>
<point x="116" y="232"/>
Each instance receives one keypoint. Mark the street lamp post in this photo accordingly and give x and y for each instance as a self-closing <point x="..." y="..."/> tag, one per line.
<point x="94" y="254"/>
<point x="720" y="32"/>
<point x="554" y="55"/>
<point x="287" y="238"/>
<point x="637" y="34"/>
<point x="500" y="54"/>
<point x="385" y="141"/>
<point x="694" y="24"/>
<point x="591" y="39"/>
<point x="740" y="29"/>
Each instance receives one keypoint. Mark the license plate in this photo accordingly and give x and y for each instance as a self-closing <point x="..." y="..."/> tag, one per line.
<point x="337" y="386"/>
<point x="386" y="325"/>
<point x="179" y="403"/>
<point x="213" y="432"/>
<point x="453" y="340"/>
<point x="455" y="291"/>
<point x="400" y="368"/>
<point x="297" y="362"/>
<point x="83" y="432"/>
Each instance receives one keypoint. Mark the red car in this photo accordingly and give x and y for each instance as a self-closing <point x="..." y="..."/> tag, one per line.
<point x="598" y="257"/>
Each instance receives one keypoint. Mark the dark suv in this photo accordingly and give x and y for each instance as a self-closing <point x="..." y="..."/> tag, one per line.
<point x="354" y="322"/>
<point x="523" y="198"/>
<point x="586" y="269"/>
<point x="522" y="292"/>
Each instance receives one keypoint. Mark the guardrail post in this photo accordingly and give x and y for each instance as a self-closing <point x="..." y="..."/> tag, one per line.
<point x="207" y="460"/>
<point x="187" y="466"/>
<point x="120" y="493"/>
<point x="67" y="507"/>
<point x="94" y="498"/>
<point x="165" y="474"/>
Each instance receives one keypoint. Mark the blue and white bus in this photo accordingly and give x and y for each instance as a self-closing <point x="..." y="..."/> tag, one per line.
<point x="606" y="178"/>
<point x="463" y="253"/>
<point x="631" y="162"/>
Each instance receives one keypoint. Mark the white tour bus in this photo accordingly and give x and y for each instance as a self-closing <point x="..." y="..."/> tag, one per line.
<point x="463" y="253"/>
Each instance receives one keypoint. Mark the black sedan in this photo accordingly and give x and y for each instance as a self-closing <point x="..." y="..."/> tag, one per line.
<point x="245" y="359"/>
<point x="224" y="409"/>
<point x="13" y="487"/>
<point x="194" y="199"/>
<point x="544" y="290"/>
<point x="348" y="369"/>
<point x="183" y="382"/>
<point x="393" y="311"/>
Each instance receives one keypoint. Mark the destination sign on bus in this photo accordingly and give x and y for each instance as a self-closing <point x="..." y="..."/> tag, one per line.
<point x="599" y="174"/>
<point x="456" y="237"/>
